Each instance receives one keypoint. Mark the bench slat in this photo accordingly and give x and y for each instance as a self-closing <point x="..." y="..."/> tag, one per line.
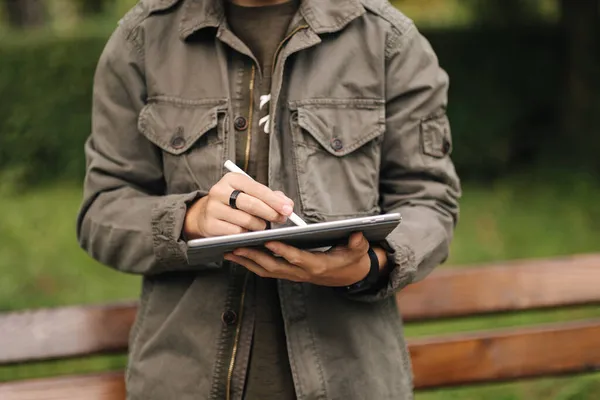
<point x="444" y="361"/>
<point x="525" y="353"/>
<point x="87" y="330"/>
<point x="519" y="285"/>
<point x="65" y="332"/>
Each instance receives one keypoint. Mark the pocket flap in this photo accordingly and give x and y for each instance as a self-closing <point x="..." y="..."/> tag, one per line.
<point x="341" y="126"/>
<point x="175" y="125"/>
<point x="435" y="136"/>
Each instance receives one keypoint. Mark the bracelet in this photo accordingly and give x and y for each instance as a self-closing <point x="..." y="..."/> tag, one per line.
<point x="371" y="278"/>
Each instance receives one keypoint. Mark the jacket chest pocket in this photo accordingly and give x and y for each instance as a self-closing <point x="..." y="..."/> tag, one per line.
<point x="191" y="135"/>
<point x="337" y="156"/>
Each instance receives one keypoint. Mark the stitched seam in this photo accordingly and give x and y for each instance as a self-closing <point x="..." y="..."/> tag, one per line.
<point x="340" y="22"/>
<point x="392" y="311"/>
<point x="135" y="333"/>
<point x="313" y="213"/>
<point x="293" y="364"/>
<point x="295" y="131"/>
<point x="388" y="13"/>
<point x="219" y="17"/>
<point x="428" y="136"/>
<point x="313" y="131"/>
<point x="368" y="103"/>
<point x="179" y="101"/>
<point x="166" y="247"/>
<point x="245" y="356"/>
<point x="225" y="140"/>
<point x="348" y="149"/>
<point x="398" y="41"/>
<point x="186" y="162"/>
<point x="147" y="130"/>
<point x="217" y="391"/>
<point x="318" y="363"/>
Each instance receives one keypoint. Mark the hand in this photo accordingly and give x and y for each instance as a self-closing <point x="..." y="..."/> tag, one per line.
<point x="340" y="266"/>
<point x="213" y="216"/>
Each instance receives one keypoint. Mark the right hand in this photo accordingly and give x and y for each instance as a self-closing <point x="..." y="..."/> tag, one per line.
<point x="212" y="216"/>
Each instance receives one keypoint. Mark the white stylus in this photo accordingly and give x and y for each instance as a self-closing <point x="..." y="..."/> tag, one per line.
<point x="234" y="168"/>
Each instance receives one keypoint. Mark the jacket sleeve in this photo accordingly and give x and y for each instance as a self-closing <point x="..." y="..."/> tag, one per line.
<point x="417" y="177"/>
<point x="126" y="221"/>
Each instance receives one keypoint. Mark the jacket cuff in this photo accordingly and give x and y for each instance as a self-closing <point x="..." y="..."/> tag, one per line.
<point x="168" y="217"/>
<point x="402" y="271"/>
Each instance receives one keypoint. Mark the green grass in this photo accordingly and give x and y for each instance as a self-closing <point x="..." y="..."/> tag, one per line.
<point x="584" y="387"/>
<point x="42" y="266"/>
<point x="41" y="263"/>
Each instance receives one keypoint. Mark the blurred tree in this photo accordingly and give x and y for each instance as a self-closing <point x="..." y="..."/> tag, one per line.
<point x="581" y="27"/>
<point x="505" y="12"/>
<point x="92" y="7"/>
<point x="24" y="13"/>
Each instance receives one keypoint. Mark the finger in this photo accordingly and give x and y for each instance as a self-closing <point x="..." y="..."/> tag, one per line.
<point x="247" y="203"/>
<point x="237" y="217"/>
<point x="341" y="256"/>
<point x="250" y="265"/>
<point x="294" y="256"/>
<point x="216" y="227"/>
<point x="257" y="207"/>
<point x="275" y="270"/>
<point x="358" y="242"/>
<point x="282" y="205"/>
<point x="272" y="264"/>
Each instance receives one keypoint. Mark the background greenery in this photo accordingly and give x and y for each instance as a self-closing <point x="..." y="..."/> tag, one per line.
<point x="502" y="122"/>
<point x="524" y="112"/>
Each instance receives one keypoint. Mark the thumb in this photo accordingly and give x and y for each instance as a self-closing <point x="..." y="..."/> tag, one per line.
<point x="356" y="241"/>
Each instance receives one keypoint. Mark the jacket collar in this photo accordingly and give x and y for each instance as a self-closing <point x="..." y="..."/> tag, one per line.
<point x="322" y="16"/>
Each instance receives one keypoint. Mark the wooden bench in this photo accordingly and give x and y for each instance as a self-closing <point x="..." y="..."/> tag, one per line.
<point x="456" y="359"/>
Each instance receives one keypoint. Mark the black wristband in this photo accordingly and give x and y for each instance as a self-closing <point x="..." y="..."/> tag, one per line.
<point x="371" y="278"/>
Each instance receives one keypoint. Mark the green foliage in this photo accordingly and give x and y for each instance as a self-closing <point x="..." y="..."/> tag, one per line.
<point x="456" y="13"/>
<point x="511" y="12"/>
<point x="505" y="88"/>
<point x="46" y="101"/>
<point x="505" y="102"/>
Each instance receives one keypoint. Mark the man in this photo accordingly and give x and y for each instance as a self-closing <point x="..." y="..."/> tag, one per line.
<point x="337" y="109"/>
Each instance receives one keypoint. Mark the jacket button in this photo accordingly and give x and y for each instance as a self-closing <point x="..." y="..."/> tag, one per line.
<point x="178" y="142"/>
<point x="337" y="144"/>
<point x="446" y="146"/>
<point x="229" y="317"/>
<point x="240" y="123"/>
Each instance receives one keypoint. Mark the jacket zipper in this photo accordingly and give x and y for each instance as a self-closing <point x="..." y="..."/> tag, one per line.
<point x="250" y="120"/>
<point x="236" y="340"/>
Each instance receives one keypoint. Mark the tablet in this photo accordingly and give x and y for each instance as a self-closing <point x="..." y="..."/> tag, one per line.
<point x="323" y="234"/>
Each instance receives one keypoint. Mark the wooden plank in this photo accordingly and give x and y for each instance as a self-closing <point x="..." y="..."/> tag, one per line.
<point x="105" y="386"/>
<point x="65" y="332"/>
<point x="437" y="362"/>
<point x="519" y="285"/>
<point x="86" y="330"/>
<point x="499" y="356"/>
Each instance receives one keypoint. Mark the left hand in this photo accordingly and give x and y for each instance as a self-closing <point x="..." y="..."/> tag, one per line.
<point x="340" y="266"/>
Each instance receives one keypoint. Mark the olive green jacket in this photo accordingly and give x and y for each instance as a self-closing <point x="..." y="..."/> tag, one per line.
<point x="358" y="127"/>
